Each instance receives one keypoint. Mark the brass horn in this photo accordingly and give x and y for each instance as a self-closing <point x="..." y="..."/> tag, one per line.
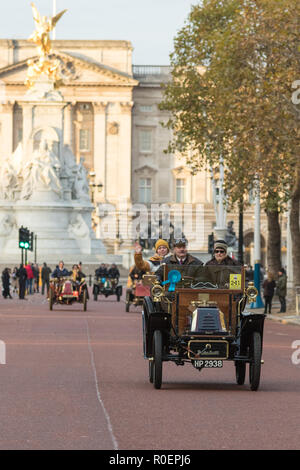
<point x="251" y="292"/>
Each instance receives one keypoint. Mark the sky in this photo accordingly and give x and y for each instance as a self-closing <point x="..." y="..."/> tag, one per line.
<point x="150" y="25"/>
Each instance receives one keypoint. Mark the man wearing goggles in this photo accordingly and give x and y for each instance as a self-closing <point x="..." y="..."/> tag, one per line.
<point x="220" y="255"/>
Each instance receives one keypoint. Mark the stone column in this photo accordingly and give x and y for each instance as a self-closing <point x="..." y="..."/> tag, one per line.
<point x="68" y="125"/>
<point x="100" y="147"/>
<point x="125" y="145"/>
<point x="27" y="123"/>
<point x="7" y="129"/>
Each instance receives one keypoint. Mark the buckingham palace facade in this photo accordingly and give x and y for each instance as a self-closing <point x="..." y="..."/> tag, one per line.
<point x="112" y="120"/>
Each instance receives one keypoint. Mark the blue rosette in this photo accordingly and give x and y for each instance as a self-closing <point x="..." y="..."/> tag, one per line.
<point x="174" y="277"/>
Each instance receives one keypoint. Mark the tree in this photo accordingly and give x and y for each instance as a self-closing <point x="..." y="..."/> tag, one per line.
<point x="232" y="68"/>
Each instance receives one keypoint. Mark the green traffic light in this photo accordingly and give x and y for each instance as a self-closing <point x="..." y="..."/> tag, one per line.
<point x="21" y="244"/>
<point x="26" y="245"/>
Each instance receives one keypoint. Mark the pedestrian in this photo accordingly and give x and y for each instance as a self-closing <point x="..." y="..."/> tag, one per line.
<point x="30" y="278"/>
<point x="281" y="289"/>
<point x="14" y="280"/>
<point x="22" y="277"/>
<point x="45" y="275"/>
<point x="6" y="283"/>
<point x="36" y="277"/>
<point x="269" y="287"/>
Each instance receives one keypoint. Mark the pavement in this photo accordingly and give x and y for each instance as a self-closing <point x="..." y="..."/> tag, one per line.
<point x="285" y="318"/>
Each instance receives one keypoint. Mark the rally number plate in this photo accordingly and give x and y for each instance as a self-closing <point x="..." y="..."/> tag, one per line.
<point x="209" y="364"/>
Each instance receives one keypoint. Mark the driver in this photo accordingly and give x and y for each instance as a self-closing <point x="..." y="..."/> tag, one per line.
<point x="221" y="257"/>
<point x="180" y="257"/>
<point x="60" y="271"/>
<point x="79" y="276"/>
<point x="101" y="271"/>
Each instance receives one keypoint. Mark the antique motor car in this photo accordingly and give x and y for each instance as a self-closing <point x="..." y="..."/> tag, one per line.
<point x="196" y="315"/>
<point x="64" y="290"/>
<point x="106" y="286"/>
<point x="136" y="294"/>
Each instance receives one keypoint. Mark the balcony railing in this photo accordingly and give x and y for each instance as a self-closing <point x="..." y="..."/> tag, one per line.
<point x="150" y="70"/>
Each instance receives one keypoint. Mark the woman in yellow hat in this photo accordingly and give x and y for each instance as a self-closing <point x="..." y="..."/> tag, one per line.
<point x="161" y="251"/>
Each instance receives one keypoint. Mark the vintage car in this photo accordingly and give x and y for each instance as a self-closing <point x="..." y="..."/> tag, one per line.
<point x="106" y="286"/>
<point x="64" y="290"/>
<point x="135" y="295"/>
<point x="197" y="315"/>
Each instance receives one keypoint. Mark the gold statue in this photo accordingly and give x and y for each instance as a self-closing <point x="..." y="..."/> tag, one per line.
<point x="45" y="64"/>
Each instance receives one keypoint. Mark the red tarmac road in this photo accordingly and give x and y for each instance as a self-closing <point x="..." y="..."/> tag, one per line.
<point x="78" y="380"/>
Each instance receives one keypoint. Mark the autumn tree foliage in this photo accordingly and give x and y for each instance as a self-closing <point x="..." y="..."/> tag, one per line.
<point x="233" y="66"/>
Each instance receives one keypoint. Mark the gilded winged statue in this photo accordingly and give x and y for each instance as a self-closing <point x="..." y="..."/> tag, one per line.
<point x="44" y="25"/>
<point x="41" y="37"/>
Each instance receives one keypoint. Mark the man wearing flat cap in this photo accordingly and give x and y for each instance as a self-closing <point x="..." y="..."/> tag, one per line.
<point x="180" y="256"/>
<point x="221" y="257"/>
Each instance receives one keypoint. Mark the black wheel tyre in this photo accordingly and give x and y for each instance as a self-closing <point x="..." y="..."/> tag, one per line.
<point x="240" y="372"/>
<point x="157" y="359"/>
<point x="84" y="300"/>
<point x="255" y="364"/>
<point x="151" y="370"/>
<point x="51" y="299"/>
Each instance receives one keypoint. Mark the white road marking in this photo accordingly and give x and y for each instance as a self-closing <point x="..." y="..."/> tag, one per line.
<point x="115" y="443"/>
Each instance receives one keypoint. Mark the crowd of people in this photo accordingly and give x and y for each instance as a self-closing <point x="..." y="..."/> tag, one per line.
<point x="27" y="278"/>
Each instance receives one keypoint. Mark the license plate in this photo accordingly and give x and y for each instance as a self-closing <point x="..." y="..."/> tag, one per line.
<point x="209" y="364"/>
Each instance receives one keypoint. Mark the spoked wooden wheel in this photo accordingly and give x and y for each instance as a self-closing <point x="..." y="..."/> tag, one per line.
<point x="157" y="359"/>
<point x="255" y="362"/>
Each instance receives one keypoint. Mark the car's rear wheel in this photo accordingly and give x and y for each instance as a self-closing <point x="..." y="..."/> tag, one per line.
<point x="157" y="359"/>
<point x="255" y="361"/>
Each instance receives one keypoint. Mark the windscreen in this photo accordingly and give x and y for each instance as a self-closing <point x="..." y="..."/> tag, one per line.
<point x="204" y="277"/>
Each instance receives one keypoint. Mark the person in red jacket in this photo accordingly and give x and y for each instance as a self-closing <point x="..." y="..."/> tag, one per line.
<point x="30" y="278"/>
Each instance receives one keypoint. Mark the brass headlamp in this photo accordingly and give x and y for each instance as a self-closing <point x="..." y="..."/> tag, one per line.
<point x="251" y="292"/>
<point x="157" y="292"/>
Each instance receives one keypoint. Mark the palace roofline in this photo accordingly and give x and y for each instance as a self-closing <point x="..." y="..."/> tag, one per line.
<point x="92" y="43"/>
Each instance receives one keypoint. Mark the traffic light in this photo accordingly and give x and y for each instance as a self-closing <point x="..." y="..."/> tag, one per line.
<point x="24" y="238"/>
<point x="31" y="235"/>
<point x="211" y="242"/>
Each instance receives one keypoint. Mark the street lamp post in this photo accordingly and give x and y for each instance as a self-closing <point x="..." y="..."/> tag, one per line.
<point x="219" y="202"/>
<point x="257" y="248"/>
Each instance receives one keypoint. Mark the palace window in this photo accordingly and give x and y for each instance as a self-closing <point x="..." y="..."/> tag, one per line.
<point x="145" y="140"/>
<point x="145" y="190"/>
<point x="146" y="108"/>
<point x="84" y="140"/>
<point x="180" y="190"/>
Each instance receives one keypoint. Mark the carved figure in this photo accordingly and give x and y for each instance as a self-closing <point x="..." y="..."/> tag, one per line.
<point x="81" y="187"/>
<point x="41" y="172"/>
<point x="8" y="180"/>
